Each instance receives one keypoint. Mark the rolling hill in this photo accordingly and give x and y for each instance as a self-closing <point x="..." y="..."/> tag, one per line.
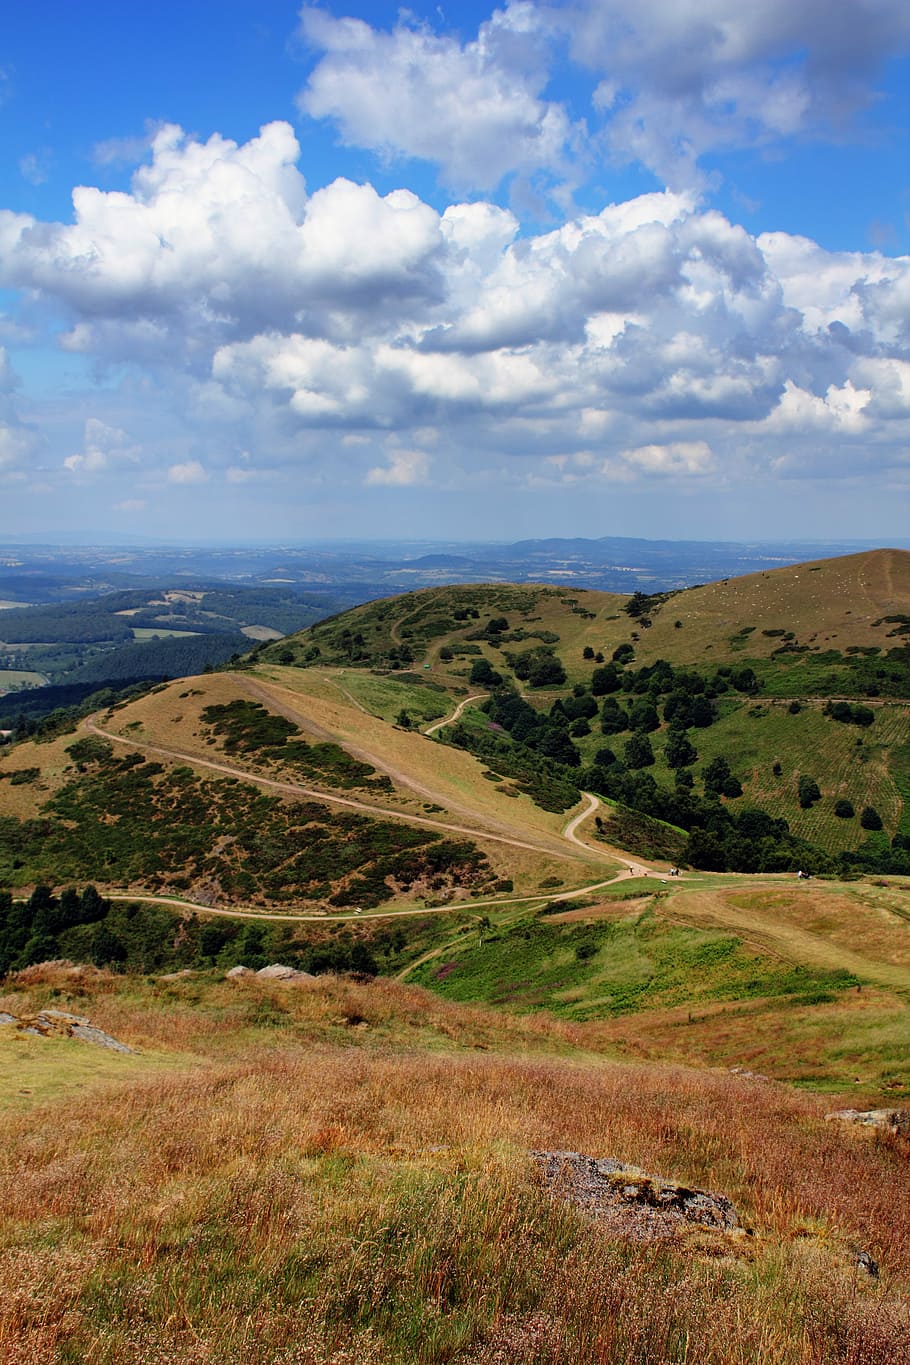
<point x="433" y="810"/>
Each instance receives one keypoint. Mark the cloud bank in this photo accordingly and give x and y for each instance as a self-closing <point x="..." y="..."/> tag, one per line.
<point x="243" y="324"/>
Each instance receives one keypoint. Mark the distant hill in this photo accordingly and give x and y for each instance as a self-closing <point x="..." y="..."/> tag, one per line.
<point x="765" y="652"/>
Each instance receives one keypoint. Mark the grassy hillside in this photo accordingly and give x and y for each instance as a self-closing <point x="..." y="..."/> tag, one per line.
<point x="342" y="1173"/>
<point x="338" y="1171"/>
<point x="831" y="606"/>
<point x="767" y="652"/>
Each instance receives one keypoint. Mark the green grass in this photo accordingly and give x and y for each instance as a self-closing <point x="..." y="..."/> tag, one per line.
<point x="585" y="971"/>
<point x="33" y="1070"/>
<point x="385" y="697"/>
<point x="12" y="679"/>
<point x="845" y="760"/>
<point x="160" y="633"/>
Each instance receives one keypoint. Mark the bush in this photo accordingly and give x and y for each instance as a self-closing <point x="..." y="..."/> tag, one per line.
<point x="482" y="672"/>
<point x="637" y="752"/>
<point x="808" y="791"/>
<point x="844" y="809"/>
<point x="870" y="818"/>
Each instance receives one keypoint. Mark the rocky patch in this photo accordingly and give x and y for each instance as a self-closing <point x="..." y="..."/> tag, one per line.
<point x="58" y="1024"/>
<point x="896" y="1121"/>
<point x="629" y="1202"/>
<point x="276" y="971"/>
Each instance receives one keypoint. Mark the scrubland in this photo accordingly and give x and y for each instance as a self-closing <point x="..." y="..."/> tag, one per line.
<point x="340" y="1172"/>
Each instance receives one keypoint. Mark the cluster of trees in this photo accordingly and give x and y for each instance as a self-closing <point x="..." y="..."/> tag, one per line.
<point x="849" y="714"/>
<point x="540" y="667"/>
<point x="634" y="703"/>
<point x="54" y="710"/>
<point x="85" y="927"/>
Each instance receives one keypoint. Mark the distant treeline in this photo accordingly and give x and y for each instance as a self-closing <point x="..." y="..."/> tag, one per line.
<point x="137" y="937"/>
<point x="173" y="658"/>
<point x="25" y="712"/>
<point x="81" y="623"/>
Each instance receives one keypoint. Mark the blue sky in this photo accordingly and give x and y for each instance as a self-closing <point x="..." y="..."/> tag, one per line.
<point x="590" y="266"/>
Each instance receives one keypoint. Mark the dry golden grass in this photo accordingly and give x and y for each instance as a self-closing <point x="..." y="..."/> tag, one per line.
<point x="817" y="924"/>
<point x="831" y="603"/>
<point x="300" y="1199"/>
<point x="54" y="765"/>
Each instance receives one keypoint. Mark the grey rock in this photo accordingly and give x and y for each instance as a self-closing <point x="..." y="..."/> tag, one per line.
<point x="236" y="973"/>
<point x="277" y="971"/>
<point x="629" y="1201"/>
<point x="89" y="1034"/>
<point x="7" y="1018"/>
<point x="895" y="1121"/>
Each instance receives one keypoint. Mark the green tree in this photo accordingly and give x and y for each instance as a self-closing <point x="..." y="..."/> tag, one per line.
<point x="637" y="752"/>
<point x="680" y="752"/>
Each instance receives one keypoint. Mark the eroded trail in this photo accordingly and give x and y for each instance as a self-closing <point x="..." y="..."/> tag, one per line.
<point x="297" y="789"/>
<point x="592" y="803"/>
<point x="488" y="826"/>
<point x="450" y="720"/>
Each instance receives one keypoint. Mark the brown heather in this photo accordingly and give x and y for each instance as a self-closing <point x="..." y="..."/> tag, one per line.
<point x="338" y="1175"/>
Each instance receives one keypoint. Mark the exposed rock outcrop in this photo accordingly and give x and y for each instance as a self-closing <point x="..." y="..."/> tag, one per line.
<point x="276" y="971"/>
<point x="895" y="1121"/>
<point x="630" y="1202"/>
<point x="59" y="1024"/>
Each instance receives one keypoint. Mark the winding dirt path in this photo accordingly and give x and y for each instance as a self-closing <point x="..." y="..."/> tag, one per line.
<point x="450" y="720"/>
<point x="592" y="803"/>
<point x="296" y="789"/>
<point x="466" y="906"/>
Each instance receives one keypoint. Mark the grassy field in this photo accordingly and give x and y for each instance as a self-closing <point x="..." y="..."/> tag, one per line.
<point x="162" y="633"/>
<point x="342" y="1174"/>
<point x="13" y="679"/>
<point x="386" y="697"/>
<point x="865" y="765"/>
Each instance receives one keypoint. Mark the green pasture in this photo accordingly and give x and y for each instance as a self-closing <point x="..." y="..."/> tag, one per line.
<point x="160" y="633"/>
<point x="14" y="679"/>
<point x="386" y="697"/>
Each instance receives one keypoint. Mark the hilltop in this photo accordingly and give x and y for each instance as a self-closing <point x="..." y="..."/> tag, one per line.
<point x="458" y="815"/>
<point x="861" y="602"/>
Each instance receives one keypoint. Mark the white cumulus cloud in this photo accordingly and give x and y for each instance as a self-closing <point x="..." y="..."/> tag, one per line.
<point x="404" y="469"/>
<point x="190" y="472"/>
<point x="475" y="109"/>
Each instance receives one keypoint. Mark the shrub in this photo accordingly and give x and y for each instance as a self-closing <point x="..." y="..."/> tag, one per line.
<point x="843" y="809"/>
<point x="870" y="818"/>
<point x="808" y="791"/>
<point x="637" y="752"/>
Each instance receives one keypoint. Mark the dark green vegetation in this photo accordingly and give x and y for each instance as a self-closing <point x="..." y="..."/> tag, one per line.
<point x="138" y="634"/>
<point x="718" y="738"/>
<point x="135" y="937"/>
<point x="53" y="710"/>
<point x="248" y="729"/>
<point x="123" y="819"/>
<point x="720" y="836"/>
<point x="592" y="970"/>
<point x="392" y="632"/>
